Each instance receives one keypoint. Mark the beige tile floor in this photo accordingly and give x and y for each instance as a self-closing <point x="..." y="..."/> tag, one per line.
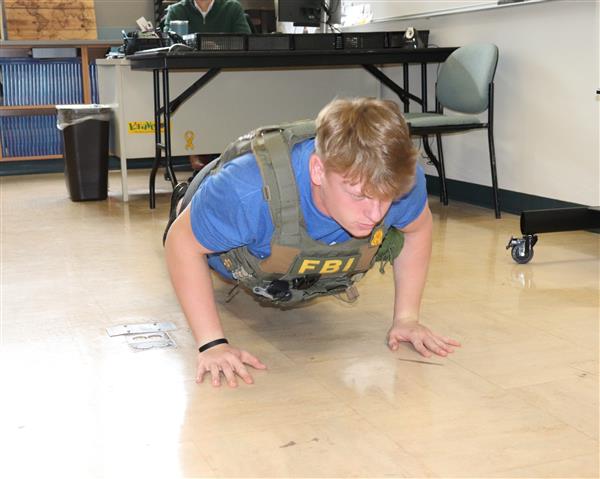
<point x="520" y="399"/>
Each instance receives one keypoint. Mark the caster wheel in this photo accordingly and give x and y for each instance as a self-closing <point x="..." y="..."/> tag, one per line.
<point x="519" y="255"/>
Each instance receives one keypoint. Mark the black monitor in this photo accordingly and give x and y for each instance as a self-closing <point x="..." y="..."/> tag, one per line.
<point x="303" y="13"/>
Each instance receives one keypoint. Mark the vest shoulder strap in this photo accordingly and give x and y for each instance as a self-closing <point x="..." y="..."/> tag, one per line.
<point x="272" y="154"/>
<point x="272" y="146"/>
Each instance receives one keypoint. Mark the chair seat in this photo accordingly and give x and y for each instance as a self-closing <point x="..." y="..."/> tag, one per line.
<point x="432" y="120"/>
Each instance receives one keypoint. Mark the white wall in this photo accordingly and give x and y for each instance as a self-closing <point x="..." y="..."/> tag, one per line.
<point x="112" y="16"/>
<point x="547" y="113"/>
<point x="383" y="9"/>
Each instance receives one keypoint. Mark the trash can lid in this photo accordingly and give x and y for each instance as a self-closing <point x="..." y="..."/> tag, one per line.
<point x="91" y="108"/>
<point x="68" y="115"/>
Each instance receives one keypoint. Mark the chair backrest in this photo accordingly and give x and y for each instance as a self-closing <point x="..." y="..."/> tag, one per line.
<point x="464" y="78"/>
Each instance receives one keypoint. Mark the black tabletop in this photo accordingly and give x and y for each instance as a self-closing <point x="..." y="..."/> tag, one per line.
<point x="285" y="58"/>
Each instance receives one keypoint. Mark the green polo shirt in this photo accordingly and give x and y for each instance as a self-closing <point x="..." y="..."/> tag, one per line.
<point x="225" y="16"/>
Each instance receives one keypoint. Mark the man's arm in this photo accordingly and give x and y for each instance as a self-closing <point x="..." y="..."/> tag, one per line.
<point x="411" y="266"/>
<point x="410" y="274"/>
<point x="239" y="22"/>
<point x="175" y="12"/>
<point x="190" y="276"/>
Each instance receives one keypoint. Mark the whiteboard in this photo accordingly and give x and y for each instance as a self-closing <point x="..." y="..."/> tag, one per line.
<point x="406" y="9"/>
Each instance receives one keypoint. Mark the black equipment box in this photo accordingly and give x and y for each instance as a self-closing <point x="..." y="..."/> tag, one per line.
<point x="364" y="41"/>
<point x="271" y="41"/>
<point x="133" y="43"/>
<point x="317" y="41"/>
<point x="298" y="42"/>
<point x="216" y="42"/>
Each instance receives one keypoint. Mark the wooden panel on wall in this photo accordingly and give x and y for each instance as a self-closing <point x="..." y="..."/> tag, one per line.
<point x="2" y="24"/>
<point x="50" y="19"/>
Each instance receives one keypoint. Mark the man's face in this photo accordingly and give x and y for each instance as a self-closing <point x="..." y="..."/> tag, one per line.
<point x="346" y="203"/>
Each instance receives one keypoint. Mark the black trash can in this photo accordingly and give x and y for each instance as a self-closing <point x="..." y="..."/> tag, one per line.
<point x="85" y="146"/>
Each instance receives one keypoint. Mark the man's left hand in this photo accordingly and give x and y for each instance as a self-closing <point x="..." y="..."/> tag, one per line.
<point x="422" y="338"/>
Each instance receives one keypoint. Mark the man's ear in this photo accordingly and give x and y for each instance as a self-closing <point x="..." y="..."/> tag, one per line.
<point x="316" y="169"/>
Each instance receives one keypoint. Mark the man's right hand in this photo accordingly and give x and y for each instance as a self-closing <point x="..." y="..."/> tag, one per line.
<point x="227" y="360"/>
<point x="190" y="275"/>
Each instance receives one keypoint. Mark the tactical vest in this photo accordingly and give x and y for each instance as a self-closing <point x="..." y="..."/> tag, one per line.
<point x="299" y="268"/>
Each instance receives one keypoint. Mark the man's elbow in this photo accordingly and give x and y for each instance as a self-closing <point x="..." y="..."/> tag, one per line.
<point x="427" y="217"/>
<point x="181" y="240"/>
<point x="176" y="238"/>
<point x="171" y="248"/>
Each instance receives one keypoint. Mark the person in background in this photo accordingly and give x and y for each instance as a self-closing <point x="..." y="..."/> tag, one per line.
<point x="209" y="16"/>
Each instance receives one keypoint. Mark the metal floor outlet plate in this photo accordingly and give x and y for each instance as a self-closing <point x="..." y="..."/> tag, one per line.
<point x="158" y="339"/>
<point x="141" y="328"/>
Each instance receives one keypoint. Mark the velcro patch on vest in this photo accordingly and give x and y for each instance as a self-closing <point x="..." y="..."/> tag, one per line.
<point x="376" y="237"/>
<point x="323" y="265"/>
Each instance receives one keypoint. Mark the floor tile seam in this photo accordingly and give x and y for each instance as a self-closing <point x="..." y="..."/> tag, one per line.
<point x="348" y="357"/>
<point x="200" y="452"/>
<point x="373" y="425"/>
<point x="579" y="368"/>
<point x="399" y="445"/>
<point x="111" y="311"/>
<point x="273" y="346"/>
<point x="554" y="415"/>
<point x="269" y="427"/>
<point x="506" y="342"/>
<point x="511" y="393"/>
<point x="492" y="437"/>
<point x="549" y="462"/>
<point x="326" y="385"/>
<point x="565" y="370"/>
<point x="489" y="381"/>
<point x="550" y="381"/>
<point x="282" y="335"/>
<point x="342" y="398"/>
<point x="544" y="349"/>
<point x="557" y="336"/>
<point x="390" y="438"/>
<point x="500" y="386"/>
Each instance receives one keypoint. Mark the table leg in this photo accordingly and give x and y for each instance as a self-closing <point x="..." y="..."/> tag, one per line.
<point x="424" y="86"/>
<point x="123" y="159"/>
<point x="439" y="163"/>
<point x="167" y="117"/>
<point x="121" y="133"/>
<point x="157" y="138"/>
<point x="406" y="86"/>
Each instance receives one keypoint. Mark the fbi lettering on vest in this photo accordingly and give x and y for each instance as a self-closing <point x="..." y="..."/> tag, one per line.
<point x="314" y="265"/>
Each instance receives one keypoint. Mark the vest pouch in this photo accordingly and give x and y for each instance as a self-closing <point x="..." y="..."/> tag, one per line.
<point x="391" y="247"/>
<point x="284" y="293"/>
<point x="326" y="286"/>
<point x="277" y="291"/>
<point x="306" y="281"/>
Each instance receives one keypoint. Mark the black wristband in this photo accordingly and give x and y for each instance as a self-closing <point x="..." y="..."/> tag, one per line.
<point x="210" y="344"/>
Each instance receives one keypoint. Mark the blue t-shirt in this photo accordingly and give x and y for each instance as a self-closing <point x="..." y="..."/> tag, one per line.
<point x="229" y="209"/>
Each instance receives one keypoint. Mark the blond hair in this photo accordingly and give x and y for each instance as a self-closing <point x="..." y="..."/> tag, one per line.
<point x="367" y="141"/>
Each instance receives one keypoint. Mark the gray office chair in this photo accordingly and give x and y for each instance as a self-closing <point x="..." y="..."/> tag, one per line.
<point x="465" y="85"/>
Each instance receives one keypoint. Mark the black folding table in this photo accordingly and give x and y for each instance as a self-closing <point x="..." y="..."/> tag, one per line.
<point x="161" y="63"/>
